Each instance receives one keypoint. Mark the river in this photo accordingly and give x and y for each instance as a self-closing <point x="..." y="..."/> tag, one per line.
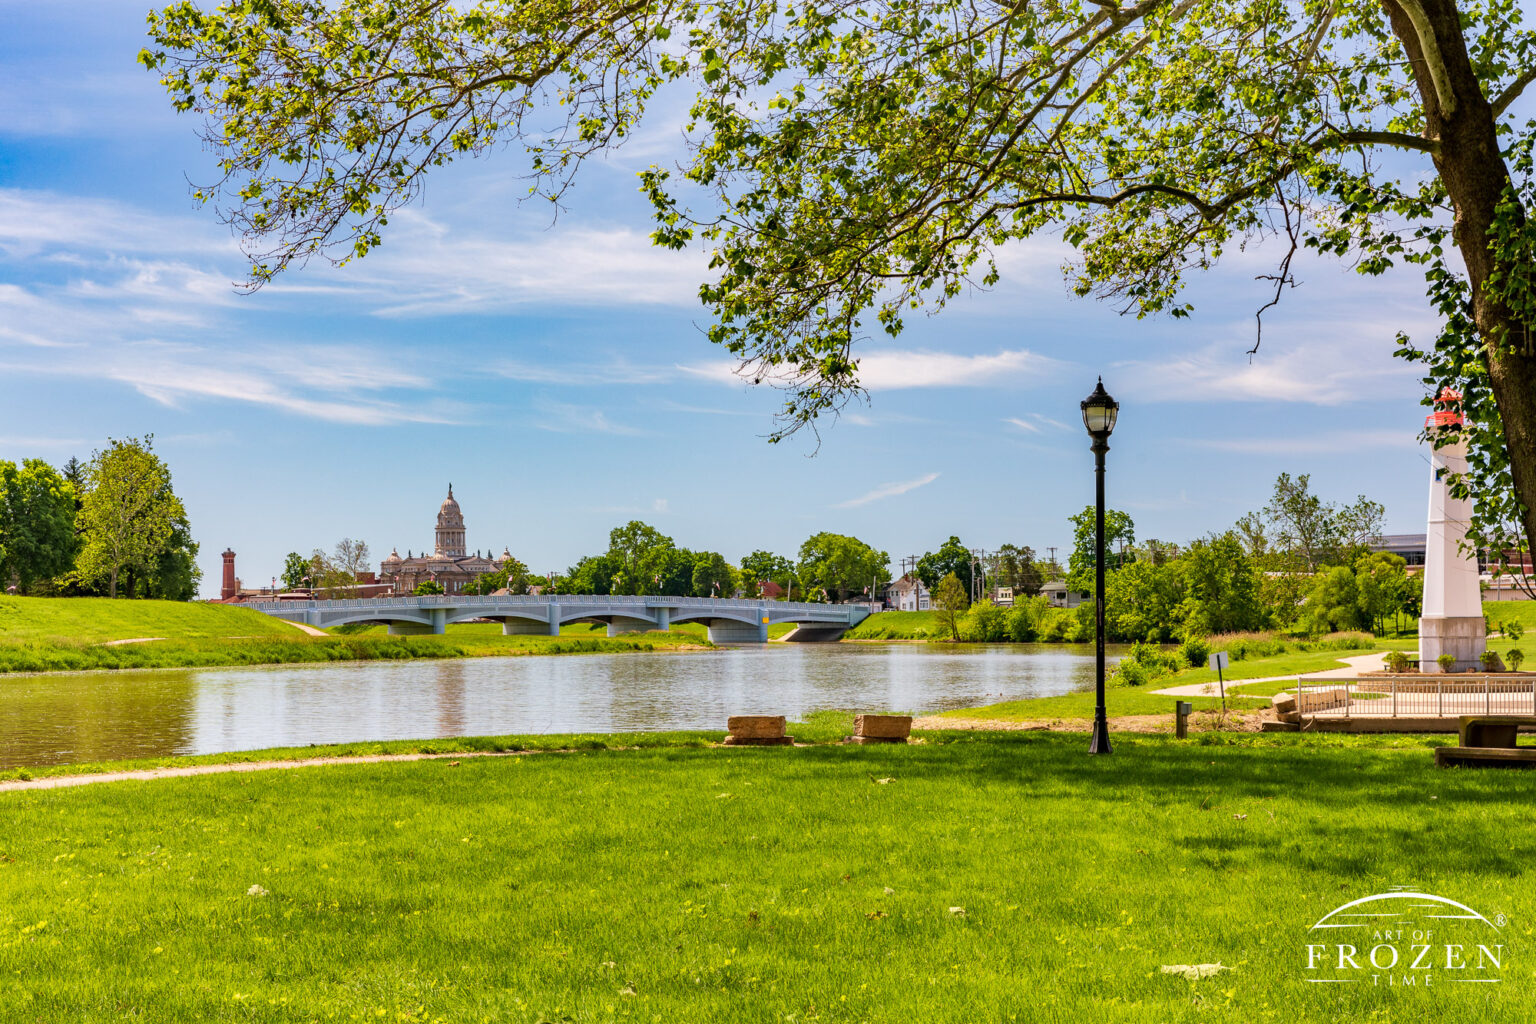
<point x="69" y="718"/>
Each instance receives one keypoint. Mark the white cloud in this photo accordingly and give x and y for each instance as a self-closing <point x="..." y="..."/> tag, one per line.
<point x="902" y="370"/>
<point x="564" y="418"/>
<point x="1343" y="443"/>
<point x="424" y="268"/>
<point x="149" y="301"/>
<point x="335" y="385"/>
<point x="615" y="372"/>
<point x="1323" y="362"/>
<point x="888" y="491"/>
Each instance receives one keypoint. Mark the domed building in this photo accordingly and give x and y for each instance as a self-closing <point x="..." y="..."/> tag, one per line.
<point x="450" y="565"/>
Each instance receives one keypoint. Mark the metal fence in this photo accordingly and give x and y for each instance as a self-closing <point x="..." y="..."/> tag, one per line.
<point x="1416" y="698"/>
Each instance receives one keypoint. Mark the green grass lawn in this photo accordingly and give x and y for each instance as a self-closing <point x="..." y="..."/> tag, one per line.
<point x="93" y="620"/>
<point x="1118" y="700"/>
<point x="897" y="626"/>
<point x="972" y="878"/>
<point x="68" y="634"/>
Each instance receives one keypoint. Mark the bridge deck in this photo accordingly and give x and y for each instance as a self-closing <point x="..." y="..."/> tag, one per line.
<point x="729" y="620"/>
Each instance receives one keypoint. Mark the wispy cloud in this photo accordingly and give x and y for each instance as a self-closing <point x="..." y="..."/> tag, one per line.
<point x="585" y="375"/>
<point x="1314" y="360"/>
<point x="1034" y="423"/>
<point x="902" y="370"/>
<point x="888" y="491"/>
<point x="1350" y="443"/>
<point x="564" y="418"/>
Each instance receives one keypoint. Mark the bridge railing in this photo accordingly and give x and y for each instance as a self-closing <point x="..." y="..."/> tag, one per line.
<point x="521" y="601"/>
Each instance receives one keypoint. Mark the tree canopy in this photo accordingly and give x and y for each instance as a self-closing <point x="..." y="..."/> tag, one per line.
<point x="842" y="566"/>
<point x="851" y="163"/>
<point x="1119" y="531"/>
<point x="129" y="516"/>
<point x="37" y="523"/>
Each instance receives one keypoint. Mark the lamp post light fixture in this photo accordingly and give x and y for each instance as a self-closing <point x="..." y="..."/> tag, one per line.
<point x="1099" y="414"/>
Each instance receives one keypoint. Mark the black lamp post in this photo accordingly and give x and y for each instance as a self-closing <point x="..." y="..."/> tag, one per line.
<point x="1099" y="413"/>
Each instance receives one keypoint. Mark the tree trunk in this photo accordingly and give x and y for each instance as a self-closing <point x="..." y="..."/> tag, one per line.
<point x="1476" y="179"/>
<point x="112" y="593"/>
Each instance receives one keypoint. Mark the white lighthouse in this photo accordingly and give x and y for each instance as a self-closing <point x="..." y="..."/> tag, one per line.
<point x="1452" y="621"/>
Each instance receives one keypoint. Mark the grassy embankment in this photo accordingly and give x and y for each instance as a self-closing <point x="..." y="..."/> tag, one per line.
<point x="72" y="634"/>
<point x="971" y="878"/>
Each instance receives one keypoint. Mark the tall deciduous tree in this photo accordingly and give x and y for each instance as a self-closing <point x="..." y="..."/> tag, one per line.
<point x="1016" y="567"/>
<point x="37" y="523"/>
<point x="842" y="565"/>
<point x="950" y="601"/>
<point x="952" y="557"/>
<point x="1119" y="529"/>
<point x="295" y="571"/>
<point x="129" y="512"/>
<point x="1304" y="530"/>
<point x="712" y="575"/>
<point x="761" y="566"/>
<point x="908" y="141"/>
<point x="1222" y="587"/>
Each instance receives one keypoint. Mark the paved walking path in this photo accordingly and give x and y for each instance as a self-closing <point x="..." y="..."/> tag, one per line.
<point x="61" y="781"/>
<point x="1356" y="663"/>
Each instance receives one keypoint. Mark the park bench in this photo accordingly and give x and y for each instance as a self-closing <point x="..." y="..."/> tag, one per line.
<point x="1489" y="741"/>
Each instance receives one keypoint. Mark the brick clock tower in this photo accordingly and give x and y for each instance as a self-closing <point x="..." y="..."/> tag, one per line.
<point x="231" y="585"/>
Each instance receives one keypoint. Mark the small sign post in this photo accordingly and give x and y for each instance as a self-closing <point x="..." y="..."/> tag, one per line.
<point x="1219" y="662"/>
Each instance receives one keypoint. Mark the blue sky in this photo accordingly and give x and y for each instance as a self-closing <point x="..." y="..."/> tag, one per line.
<point x="557" y="374"/>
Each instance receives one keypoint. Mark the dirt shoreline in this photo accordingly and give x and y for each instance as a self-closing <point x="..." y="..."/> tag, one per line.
<point x="1204" y="721"/>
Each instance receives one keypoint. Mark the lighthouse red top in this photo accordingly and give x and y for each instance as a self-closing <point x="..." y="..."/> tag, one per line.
<point x="1447" y="410"/>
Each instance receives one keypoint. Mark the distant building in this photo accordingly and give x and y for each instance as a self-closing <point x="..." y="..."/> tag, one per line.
<point x="450" y="565"/>
<point x="1001" y="596"/>
<point x="769" y="590"/>
<point x="1409" y="546"/>
<point x="1063" y="597"/>
<point x="908" y="595"/>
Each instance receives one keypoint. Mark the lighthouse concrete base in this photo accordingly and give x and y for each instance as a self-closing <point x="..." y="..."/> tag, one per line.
<point x="1464" y="637"/>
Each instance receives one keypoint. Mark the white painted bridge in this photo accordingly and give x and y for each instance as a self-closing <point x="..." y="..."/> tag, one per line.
<point x="729" y="621"/>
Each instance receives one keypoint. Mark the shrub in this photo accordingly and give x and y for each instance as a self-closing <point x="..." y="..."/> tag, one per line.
<point x="1056" y="628"/>
<point x="1130" y="673"/>
<point x="1021" y="626"/>
<point x="1397" y="661"/>
<point x="1491" y="661"/>
<point x="985" y="623"/>
<point x="1514" y="656"/>
<point x="1195" y="651"/>
<point x="1248" y="645"/>
<point x="1447" y="662"/>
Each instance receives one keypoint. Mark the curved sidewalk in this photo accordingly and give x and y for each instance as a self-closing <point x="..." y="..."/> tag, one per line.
<point x="1355" y="663"/>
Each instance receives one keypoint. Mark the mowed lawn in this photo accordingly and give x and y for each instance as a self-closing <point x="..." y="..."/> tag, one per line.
<point x="98" y="619"/>
<point x="970" y="878"/>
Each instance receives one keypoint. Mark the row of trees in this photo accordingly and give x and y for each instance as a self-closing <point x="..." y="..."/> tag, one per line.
<point x="112" y="526"/>
<point x="1299" y="563"/>
<point x="828" y="566"/>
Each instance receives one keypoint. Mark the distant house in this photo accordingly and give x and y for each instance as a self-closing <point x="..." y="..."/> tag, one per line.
<point x="908" y="595"/>
<point x="1061" y="597"/>
<point x="769" y="590"/>
<point x="1001" y="596"/>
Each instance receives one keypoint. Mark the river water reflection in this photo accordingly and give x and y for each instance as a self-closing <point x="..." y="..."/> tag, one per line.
<point x="61" y="719"/>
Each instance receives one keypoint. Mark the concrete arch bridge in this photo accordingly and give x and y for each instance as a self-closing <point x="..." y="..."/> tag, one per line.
<point x="729" y="621"/>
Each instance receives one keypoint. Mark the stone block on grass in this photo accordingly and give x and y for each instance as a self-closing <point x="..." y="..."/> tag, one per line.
<point x="756" y="726"/>
<point x="882" y="728"/>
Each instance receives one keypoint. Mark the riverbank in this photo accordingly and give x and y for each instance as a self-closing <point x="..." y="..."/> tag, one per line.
<point x="86" y="634"/>
<point x="832" y="883"/>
